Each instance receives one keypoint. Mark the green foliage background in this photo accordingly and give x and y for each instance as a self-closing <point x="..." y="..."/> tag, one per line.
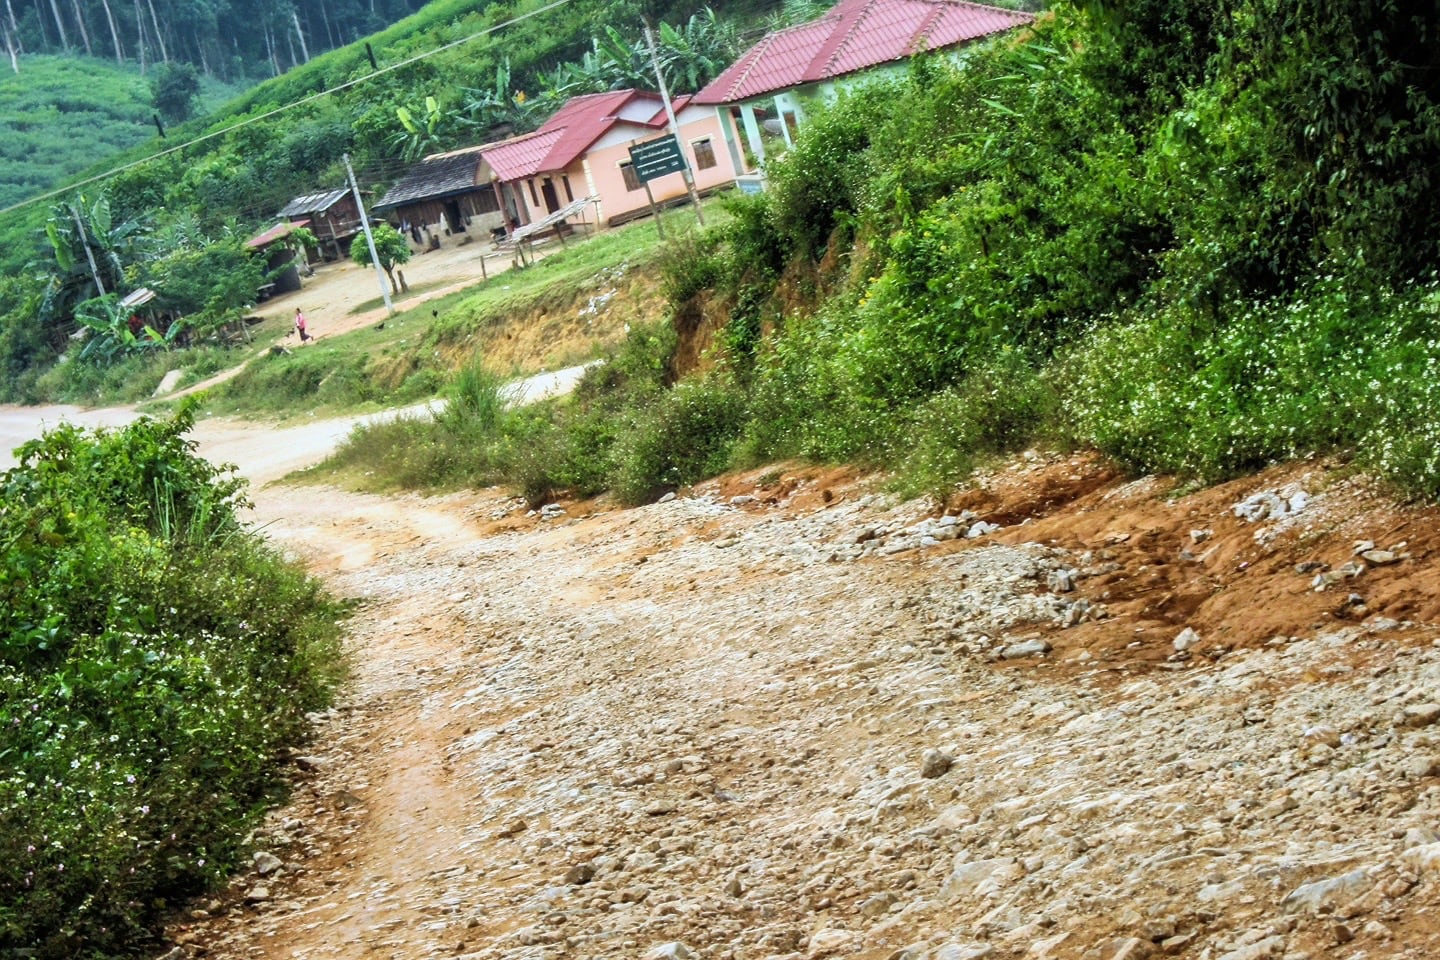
<point x="510" y="64"/>
<point x="61" y="113"/>
<point x="1199" y="239"/>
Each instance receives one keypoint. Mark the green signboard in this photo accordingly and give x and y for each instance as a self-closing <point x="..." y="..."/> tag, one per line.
<point x="656" y="158"/>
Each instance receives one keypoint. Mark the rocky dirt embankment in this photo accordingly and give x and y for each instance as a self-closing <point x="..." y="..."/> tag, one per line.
<point x="785" y="717"/>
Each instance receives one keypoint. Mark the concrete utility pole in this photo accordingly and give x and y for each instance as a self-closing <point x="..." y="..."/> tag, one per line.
<point x="674" y="126"/>
<point x="369" y="238"/>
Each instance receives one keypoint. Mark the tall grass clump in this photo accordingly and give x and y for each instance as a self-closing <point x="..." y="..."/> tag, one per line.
<point x="624" y="429"/>
<point x="685" y="436"/>
<point x="156" y="657"/>
<point x="474" y="402"/>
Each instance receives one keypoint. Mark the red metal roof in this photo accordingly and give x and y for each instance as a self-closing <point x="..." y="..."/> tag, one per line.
<point x="275" y="233"/>
<point x="520" y="157"/>
<point x="584" y="120"/>
<point x="852" y="36"/>
<point x="570" y="132"/>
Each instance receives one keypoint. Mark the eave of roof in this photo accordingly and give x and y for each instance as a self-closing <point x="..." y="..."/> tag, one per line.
<point x="854" y="35"/>
<point x="313" y="202"/>
<point x="277" y="232"/>
<point x="520" y="157"/>
<point x="436" y="177"/>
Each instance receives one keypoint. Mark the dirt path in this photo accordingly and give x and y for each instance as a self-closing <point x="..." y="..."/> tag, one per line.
<point x="796" y="719"/>
<point x="332" y="296"/>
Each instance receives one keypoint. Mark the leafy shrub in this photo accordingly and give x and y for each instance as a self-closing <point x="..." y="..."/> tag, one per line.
<point x="997" y="409"/>
<point x="689" y="264"/>
<point x="475" y="401"/>
<point x="816" y="186"/>
<point x="142" y="705"/>
<point x="1336" y="366"/>
<point x="684" y="437"/>
<point x="637" y="371"/>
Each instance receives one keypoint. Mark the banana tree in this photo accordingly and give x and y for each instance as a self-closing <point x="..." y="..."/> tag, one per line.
<point x="698" y="51"/>
<point x="418" y="135"/>
<point x="88" y="257"/>
<point x="501" y="105"/>
<point x="115" y="334"/>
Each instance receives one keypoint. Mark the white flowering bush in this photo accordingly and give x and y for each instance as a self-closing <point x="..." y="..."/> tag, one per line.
<point x="1338" y="367"/>
<point x="154" y="659"/>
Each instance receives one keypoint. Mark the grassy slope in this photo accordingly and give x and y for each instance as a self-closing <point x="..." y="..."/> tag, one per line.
<point x="61" y="113"/>
<point x="539" y="313"/>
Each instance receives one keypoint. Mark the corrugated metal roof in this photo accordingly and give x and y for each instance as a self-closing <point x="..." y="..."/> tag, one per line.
<point x="571" y="131"/>
<point x="138" y="297"/>
<point x="313" y="203"/>
<point x="854" y="35"/>
<point x="777" y="62"/>
<point x="584" y="120"/>
<point x="520" y="157"/>
<point x="563" y="138"/>
<point x="275" y="233"/>
<point x="434" y="178"/>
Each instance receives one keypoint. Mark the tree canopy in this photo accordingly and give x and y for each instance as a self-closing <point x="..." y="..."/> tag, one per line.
<point x="174" y="88"/>
<point x="230" y="39"/>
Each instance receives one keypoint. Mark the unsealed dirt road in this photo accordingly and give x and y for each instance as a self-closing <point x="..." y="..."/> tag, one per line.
<point x="785" y="716"/>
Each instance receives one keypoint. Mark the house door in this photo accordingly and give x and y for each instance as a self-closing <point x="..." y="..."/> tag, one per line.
<point x="547" y="190"/>
<point x="452" y="214"/>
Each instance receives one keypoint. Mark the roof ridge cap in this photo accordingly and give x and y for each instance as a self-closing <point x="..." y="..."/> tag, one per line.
<point x="861" y="10"/>
<point x="758" y="51"/>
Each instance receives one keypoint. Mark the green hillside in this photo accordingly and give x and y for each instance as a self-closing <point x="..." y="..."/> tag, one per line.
<point x="250" y="163"/>
<point x="59" y="114"/>
<point x="1196" y="246"/>
<point x="172" y="213"/>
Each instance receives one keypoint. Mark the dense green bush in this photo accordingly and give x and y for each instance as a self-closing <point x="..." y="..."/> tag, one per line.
<point x="1001" y="406"/>
<point x="142" y="704"/>
<point x="817" y="185"/>
<point x="623" y="430"/>
<point x="684" y="437"/>
<point x="1185" y="242"/>
<point x="1335" y="366"/>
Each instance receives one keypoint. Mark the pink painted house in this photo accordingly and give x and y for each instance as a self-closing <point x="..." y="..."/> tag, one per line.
<point x="761" y="98"/>
<point x="580" y="157"/>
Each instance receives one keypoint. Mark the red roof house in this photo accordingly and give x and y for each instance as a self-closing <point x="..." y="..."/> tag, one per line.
<point x="582" y="152"/>
<point x="855" y="37"/>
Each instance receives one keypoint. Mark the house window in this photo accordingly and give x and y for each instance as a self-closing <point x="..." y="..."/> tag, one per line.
<point x="569" y="194"/>
<point x="704" y="154"/>
<point x="534" y="197"/>
<point x="632" y="179"/>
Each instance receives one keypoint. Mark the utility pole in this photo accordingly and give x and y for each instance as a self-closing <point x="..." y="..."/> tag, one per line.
<point x="369" y="238"/>
<point x="674" y="126"/>
<point x="89" y="254"/>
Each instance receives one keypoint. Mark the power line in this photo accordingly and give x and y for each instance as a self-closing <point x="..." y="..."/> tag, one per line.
<point x="553" y="4"/>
